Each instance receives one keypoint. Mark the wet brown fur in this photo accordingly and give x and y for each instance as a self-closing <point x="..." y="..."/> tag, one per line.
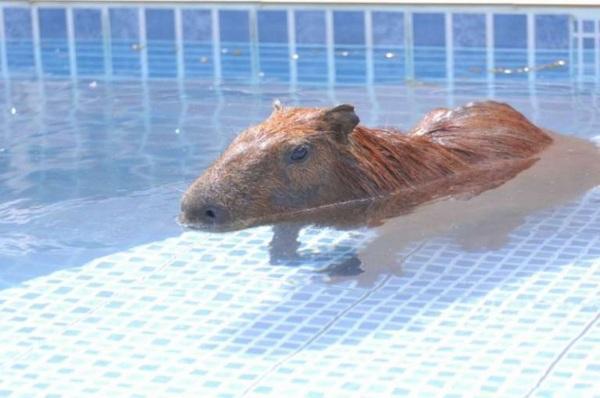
<point x="349" y="161"/>
<point x="445" y="143"/>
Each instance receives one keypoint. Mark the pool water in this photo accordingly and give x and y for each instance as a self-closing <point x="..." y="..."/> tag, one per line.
<point x="107" y="113"/>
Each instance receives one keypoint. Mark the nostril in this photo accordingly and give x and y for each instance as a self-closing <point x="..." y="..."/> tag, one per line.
<point x="204" y="215"/>
<point x="214" y="215"/>
<point x="210" y="213"/>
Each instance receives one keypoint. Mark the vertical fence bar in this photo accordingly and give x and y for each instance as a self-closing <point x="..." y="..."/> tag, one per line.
<point x="489" y="46"/>
<point x="71" y="42"/>
<point x="179" y="43"/>
<point x="293" y="56"/>
<point x="143" y="42"/>
<point x="106" y="41"/>
<point x="531" y="61"/>
<point x="254" y="53"/>
<point x="3" y="54"/>
<point x="370" y="67"/>
<point x="369" y="46"/>
<point x="330" y="45"/>
<point x="216" y="45"/>
<point x="35" y="32"/>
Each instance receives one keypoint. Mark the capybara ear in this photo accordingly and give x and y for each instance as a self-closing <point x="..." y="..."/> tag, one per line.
<point x="277" y="106"/>
<point x="340" y="119"/>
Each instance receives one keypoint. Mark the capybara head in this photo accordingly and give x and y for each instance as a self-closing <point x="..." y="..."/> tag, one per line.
<point x="292" y="161"/>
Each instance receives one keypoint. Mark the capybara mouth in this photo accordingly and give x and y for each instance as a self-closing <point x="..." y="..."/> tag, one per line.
<point x="208" y="227"/>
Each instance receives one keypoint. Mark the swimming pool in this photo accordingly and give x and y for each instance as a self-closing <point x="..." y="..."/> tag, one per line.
<point x="109" y="111"/>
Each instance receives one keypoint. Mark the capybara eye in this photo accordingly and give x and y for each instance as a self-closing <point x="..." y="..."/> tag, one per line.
<point x="299" y="153"/>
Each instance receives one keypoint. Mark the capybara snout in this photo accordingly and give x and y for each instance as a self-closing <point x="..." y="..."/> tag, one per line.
<point x="195" y="214"/>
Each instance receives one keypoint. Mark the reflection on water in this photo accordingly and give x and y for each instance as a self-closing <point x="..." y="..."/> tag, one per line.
<point x="90" y="167"/>
<point x="478" y="218"/>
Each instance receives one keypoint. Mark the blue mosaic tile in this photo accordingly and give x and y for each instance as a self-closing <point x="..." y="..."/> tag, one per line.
<point x="272" y="26"/>
<point x="552" y="43"/>
<point x="273" y="50"/>
<point x="125" y="41"/>
<point x="53" y="41"/>
<point x="160" y="24"/>
<point x="87" y="24"/>
<point x="235" y="46"/>
<point x="588" y="26"/>
<point x="310" y="27"/>
<point x="17" y="23"/>
<point x="469" y="30"/>
<point x="388" y="28"/>
<point x="510" y="31"/>
<point x="552" y="31"/>
<point x="350" y="60"/>
<point x="234" y="25"/>
<point x="197" y="25"/>
<point x="18" y="34"/>
<point x="348" y="27"/>
<point x="510" y="35"/>
<point x="429" y="29"/>
<point x="160" y="38"/>
<point x="124" y="23"/>
<point x="263" y="334"/>
<point x="389" y="47"/>
<point x="197" y="46"/>
<point x="310" y="37"/>
<point x="310" y="64"/>
<point x="89" y="42"/>
<point x="430" y="39"/>
<point x="470" y="55"/>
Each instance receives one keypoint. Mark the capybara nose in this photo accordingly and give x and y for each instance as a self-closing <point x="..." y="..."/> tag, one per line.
<point x="203" y="214"/>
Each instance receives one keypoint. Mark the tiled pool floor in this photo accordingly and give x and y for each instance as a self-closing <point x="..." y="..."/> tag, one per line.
<point x="180" y="318"/>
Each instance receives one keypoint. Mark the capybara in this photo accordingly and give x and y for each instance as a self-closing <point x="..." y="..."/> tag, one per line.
<point x="301" y="159"/>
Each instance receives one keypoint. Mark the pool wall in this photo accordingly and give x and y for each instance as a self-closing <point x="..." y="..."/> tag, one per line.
<point x="299" y="45"/>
